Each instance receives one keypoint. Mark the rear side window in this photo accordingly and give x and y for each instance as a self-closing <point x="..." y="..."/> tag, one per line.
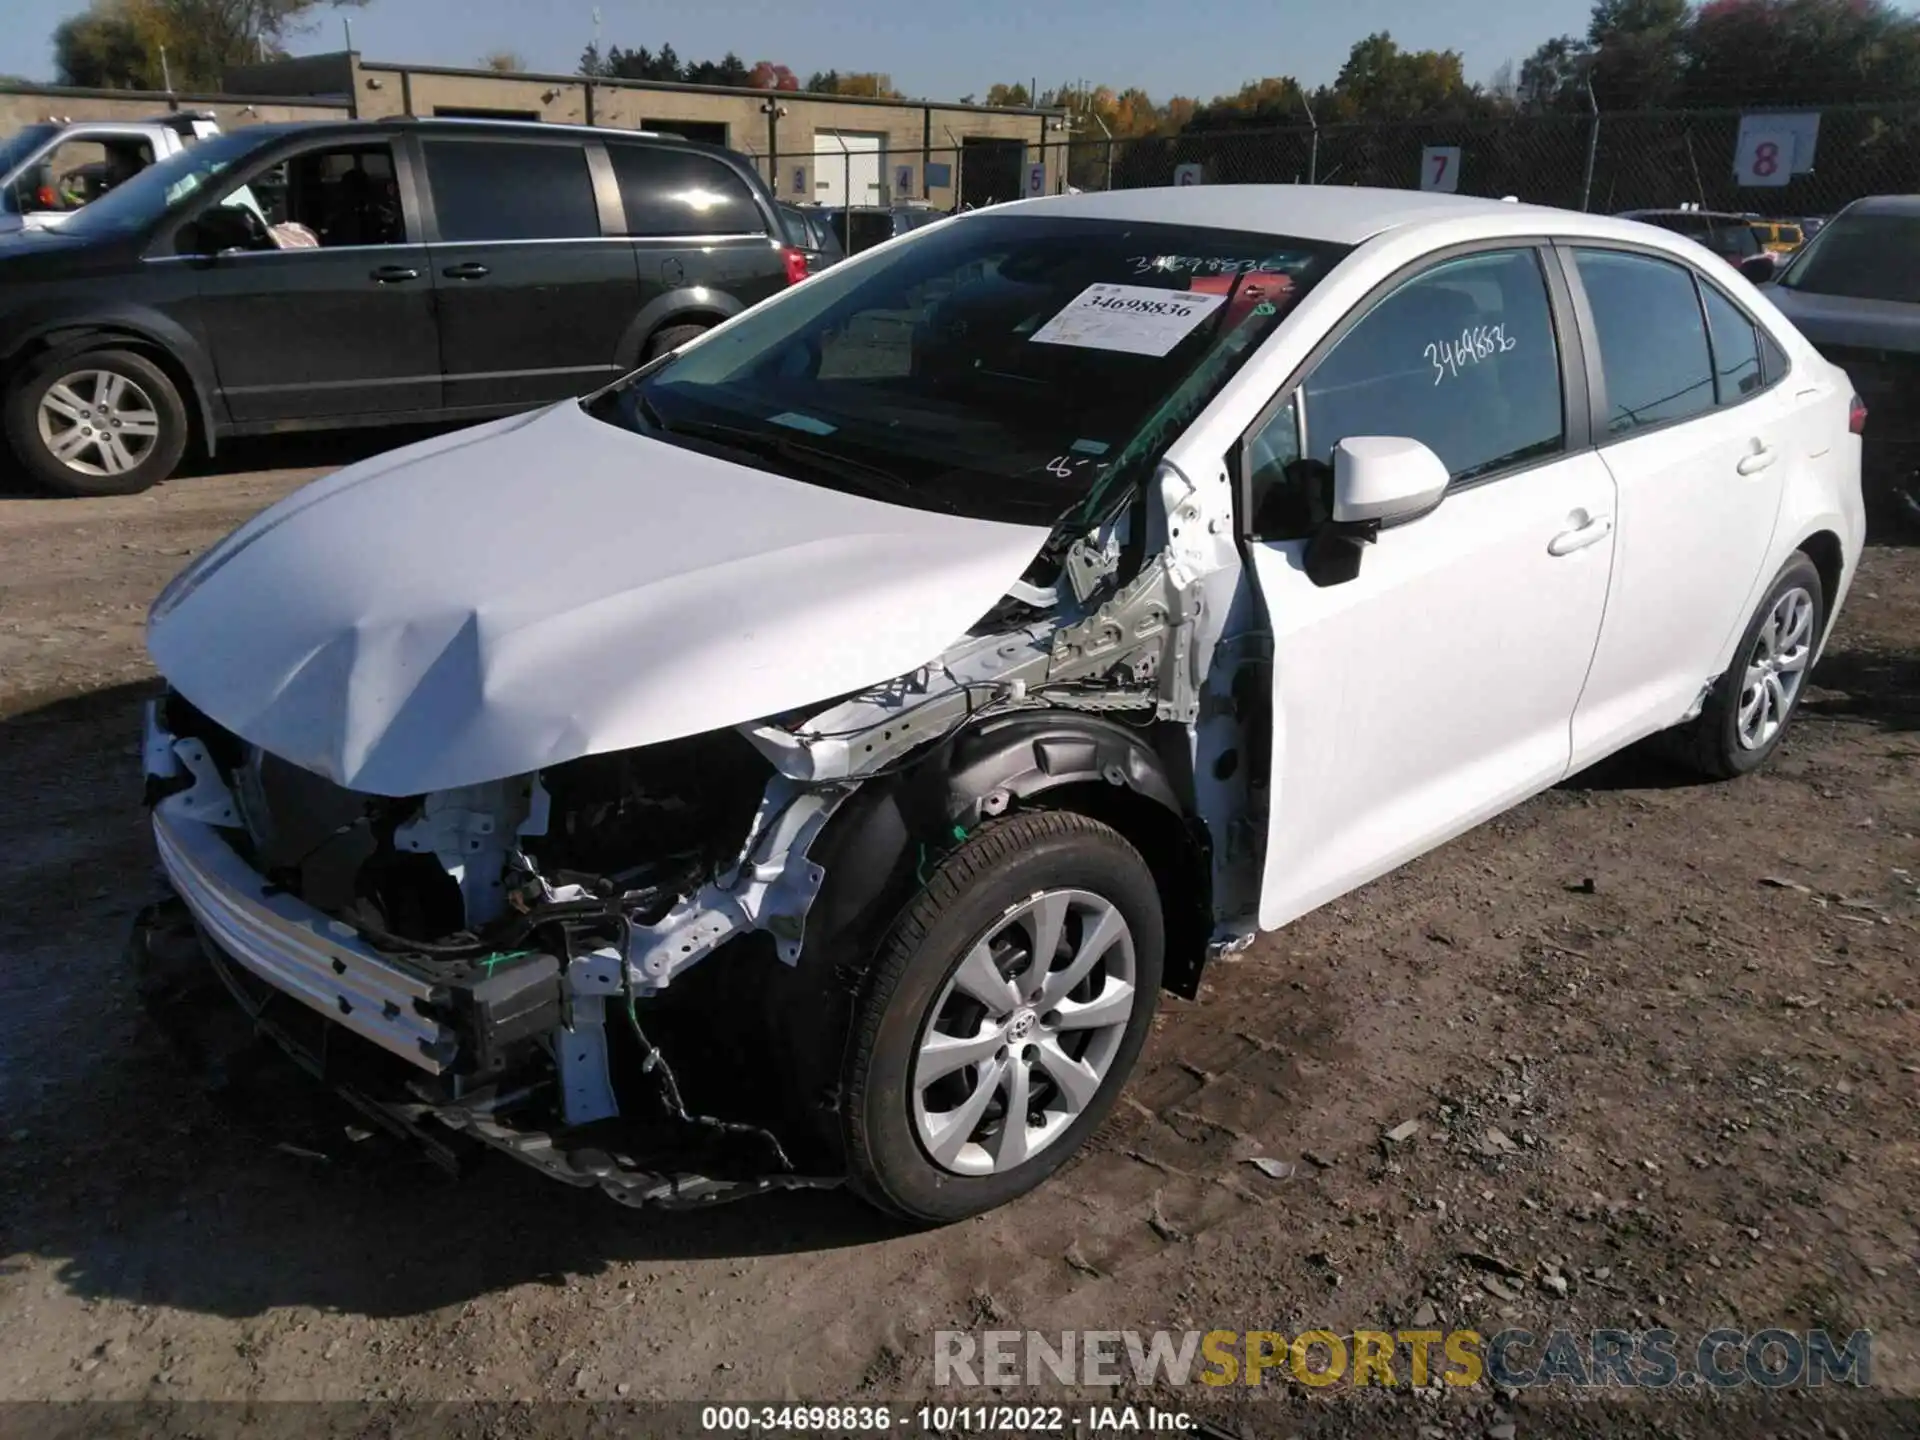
<point x="508" y="190"/>
<point x="1736" y="350"/>
<point x="1653" y="341"/>
<point x="681" y="192"/>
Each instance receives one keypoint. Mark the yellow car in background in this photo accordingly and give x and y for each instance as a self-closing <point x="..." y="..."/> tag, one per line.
<point x="1779" y="237"/>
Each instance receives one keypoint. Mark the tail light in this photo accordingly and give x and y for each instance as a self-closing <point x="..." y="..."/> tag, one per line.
<point x="1857" y="416"/>
<point x="796" y="261"/>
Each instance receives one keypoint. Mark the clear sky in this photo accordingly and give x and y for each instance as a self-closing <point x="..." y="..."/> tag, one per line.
<point x="940" y="49"/>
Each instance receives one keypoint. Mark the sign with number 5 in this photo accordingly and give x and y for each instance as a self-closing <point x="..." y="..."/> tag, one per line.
<point x="1440" y="169"/>
<point x="1765" y="157"/>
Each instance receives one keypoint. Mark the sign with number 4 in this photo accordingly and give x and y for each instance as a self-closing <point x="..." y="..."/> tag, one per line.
<point x="1440" y="169"/>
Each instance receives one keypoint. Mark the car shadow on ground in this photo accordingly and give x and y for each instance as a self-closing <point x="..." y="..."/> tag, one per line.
<point x="119" y="1169"/>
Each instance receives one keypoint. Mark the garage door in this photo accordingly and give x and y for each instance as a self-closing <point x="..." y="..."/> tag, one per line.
<point x="846" y="161"/>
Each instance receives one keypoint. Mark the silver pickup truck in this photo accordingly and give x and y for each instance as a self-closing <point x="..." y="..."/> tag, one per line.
<point x="50" y="170"/>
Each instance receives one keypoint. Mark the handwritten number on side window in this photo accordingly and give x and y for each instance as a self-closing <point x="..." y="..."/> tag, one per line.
<point x="1476" y="344"/>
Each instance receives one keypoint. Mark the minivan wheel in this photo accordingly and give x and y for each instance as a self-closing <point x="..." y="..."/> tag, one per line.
<point x="672" y="338"/>
<point x="1006" y="1008"/>
<point x="1748" y="711"/>
<point x="97" y="422"/>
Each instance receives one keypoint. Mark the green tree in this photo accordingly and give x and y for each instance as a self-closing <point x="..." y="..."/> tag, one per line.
<point x="106" y="48"/>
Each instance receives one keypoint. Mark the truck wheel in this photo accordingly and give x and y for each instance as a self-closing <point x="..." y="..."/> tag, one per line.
<point x="1002" y="1017"/>
<point x="96" y="422"/>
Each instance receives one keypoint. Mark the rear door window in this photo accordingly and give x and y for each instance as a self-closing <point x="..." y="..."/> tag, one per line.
<point x="682" y="192"/>
<point x="1736" y="349"/>
<point x="1653" y="340"/>
<point x="511" y="190"/>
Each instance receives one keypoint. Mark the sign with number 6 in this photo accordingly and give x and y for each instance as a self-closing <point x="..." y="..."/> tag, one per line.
<point x="1440" y="169"/>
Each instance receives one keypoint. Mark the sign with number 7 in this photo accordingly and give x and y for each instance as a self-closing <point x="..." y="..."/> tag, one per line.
<point x="1440" y="169"/>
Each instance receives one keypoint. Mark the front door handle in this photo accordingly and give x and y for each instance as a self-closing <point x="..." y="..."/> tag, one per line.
<point x="471" y="270"/>
<point x="1588" y="532"/>
<point x="392" y="274"/>
<point x="1760" y="459"/>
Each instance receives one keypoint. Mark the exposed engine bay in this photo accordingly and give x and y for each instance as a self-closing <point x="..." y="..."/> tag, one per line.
<point x="536" y="948"/>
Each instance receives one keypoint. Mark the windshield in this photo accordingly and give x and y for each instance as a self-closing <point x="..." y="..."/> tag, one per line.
<point x="22" y="143"/>
<point x="1863" y="257"/>
<point x="154" y="191"/>
<point x="1004" y="367"/>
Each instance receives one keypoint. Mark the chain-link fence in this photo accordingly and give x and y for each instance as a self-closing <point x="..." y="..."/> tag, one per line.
<point x="1605" y="163"/>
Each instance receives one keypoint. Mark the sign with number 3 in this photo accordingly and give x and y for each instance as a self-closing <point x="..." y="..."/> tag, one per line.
<point x="1440" y="169"/>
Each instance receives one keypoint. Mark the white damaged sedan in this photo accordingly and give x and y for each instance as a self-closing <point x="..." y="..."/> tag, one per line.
<point x="809" y="758"/>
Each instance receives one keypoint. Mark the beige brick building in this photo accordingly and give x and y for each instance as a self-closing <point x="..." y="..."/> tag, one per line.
<point x="819" y="148"/>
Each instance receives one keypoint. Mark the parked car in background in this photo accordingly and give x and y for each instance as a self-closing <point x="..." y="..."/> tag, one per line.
<point x="1779" y="237"/>
<point x="49" y="171"/>
<point x="1854" y="291"/>
<point x="1731" y="237"/>
<point x="444" y="270"/>
<point x="861" y="227"/>
<point x="1040" y="605"/>
<point x="808" y="229"/>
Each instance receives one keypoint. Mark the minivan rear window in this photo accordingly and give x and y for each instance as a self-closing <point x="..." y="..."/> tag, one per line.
<point x="511" y="190"/>
<point x="682" y="192"/>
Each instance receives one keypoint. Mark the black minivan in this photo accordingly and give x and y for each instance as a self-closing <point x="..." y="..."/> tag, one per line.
<point x="306" y="276"/>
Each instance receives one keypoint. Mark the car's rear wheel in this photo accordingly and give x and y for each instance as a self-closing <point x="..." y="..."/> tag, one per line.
<point x="672" y="338"/>
<point x="999" y="1025"/>
<point x="1750" y="707"/>
<point x="97" y="422"/>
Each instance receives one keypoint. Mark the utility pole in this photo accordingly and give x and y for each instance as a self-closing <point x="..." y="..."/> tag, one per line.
<point x="1593" y="145"/>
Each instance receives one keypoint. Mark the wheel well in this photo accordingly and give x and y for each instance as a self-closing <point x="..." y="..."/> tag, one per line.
<point x="1829" y="559"/>
<point x="80" y="341"/>
<point x="1176" y="856"/>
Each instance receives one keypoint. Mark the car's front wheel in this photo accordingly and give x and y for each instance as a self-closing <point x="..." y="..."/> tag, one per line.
<point x="99" y="422"/>
<point x="1749" y="708"/>
<point x="1006" y="1009"/>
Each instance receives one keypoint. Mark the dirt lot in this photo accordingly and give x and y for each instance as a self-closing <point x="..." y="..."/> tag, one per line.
<point x="1660" y="1041"/>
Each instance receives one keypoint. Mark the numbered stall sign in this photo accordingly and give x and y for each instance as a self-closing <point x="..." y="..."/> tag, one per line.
<point x="1037" y="178"/>
<point x="1190" y="174"/>
<point x="1765" y="156"/>
<point x="1440" y="169"/>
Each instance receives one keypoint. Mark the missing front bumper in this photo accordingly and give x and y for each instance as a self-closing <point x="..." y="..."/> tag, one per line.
<point x="251" y="1038"/>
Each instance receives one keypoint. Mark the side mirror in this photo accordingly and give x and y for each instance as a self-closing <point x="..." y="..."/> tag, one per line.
<point x="222" y="228"/>
<point x="1385" y="478"/>
<point x="1377" y="479"/>
<point x="1760" y="269"/>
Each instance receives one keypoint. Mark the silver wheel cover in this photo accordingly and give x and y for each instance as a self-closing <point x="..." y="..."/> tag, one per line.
<point x="98" y="422"/>
<point x="1024" y="1034"/>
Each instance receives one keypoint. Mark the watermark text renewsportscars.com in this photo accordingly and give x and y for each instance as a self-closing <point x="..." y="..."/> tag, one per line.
<point x="1513" y="1359"/>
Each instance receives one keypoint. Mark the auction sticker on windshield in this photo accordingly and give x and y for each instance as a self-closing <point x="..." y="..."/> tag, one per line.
<point x="1132" y="318"/>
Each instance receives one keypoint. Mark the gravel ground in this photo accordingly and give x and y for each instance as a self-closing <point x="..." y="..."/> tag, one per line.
<point x="1651" y="1048"/>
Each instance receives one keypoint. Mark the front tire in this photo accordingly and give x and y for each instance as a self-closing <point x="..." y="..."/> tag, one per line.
<point x="97" y="422"/>
<point x="1750" y="707"/>
<point x="975" y="1070"/>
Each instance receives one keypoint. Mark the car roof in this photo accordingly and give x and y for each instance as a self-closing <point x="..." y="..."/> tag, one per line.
<point x="1341" y="215"/>
<point x="1886" y="205"/>
<point x="1744" y="219"/>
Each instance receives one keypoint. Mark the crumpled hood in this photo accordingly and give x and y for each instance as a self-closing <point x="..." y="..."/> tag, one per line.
<point x="1849" y="321"/>
<point x="537" y="589"/>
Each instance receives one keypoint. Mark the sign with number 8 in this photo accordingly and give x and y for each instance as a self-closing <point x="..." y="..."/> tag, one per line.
<point x="1766" y="156"/>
